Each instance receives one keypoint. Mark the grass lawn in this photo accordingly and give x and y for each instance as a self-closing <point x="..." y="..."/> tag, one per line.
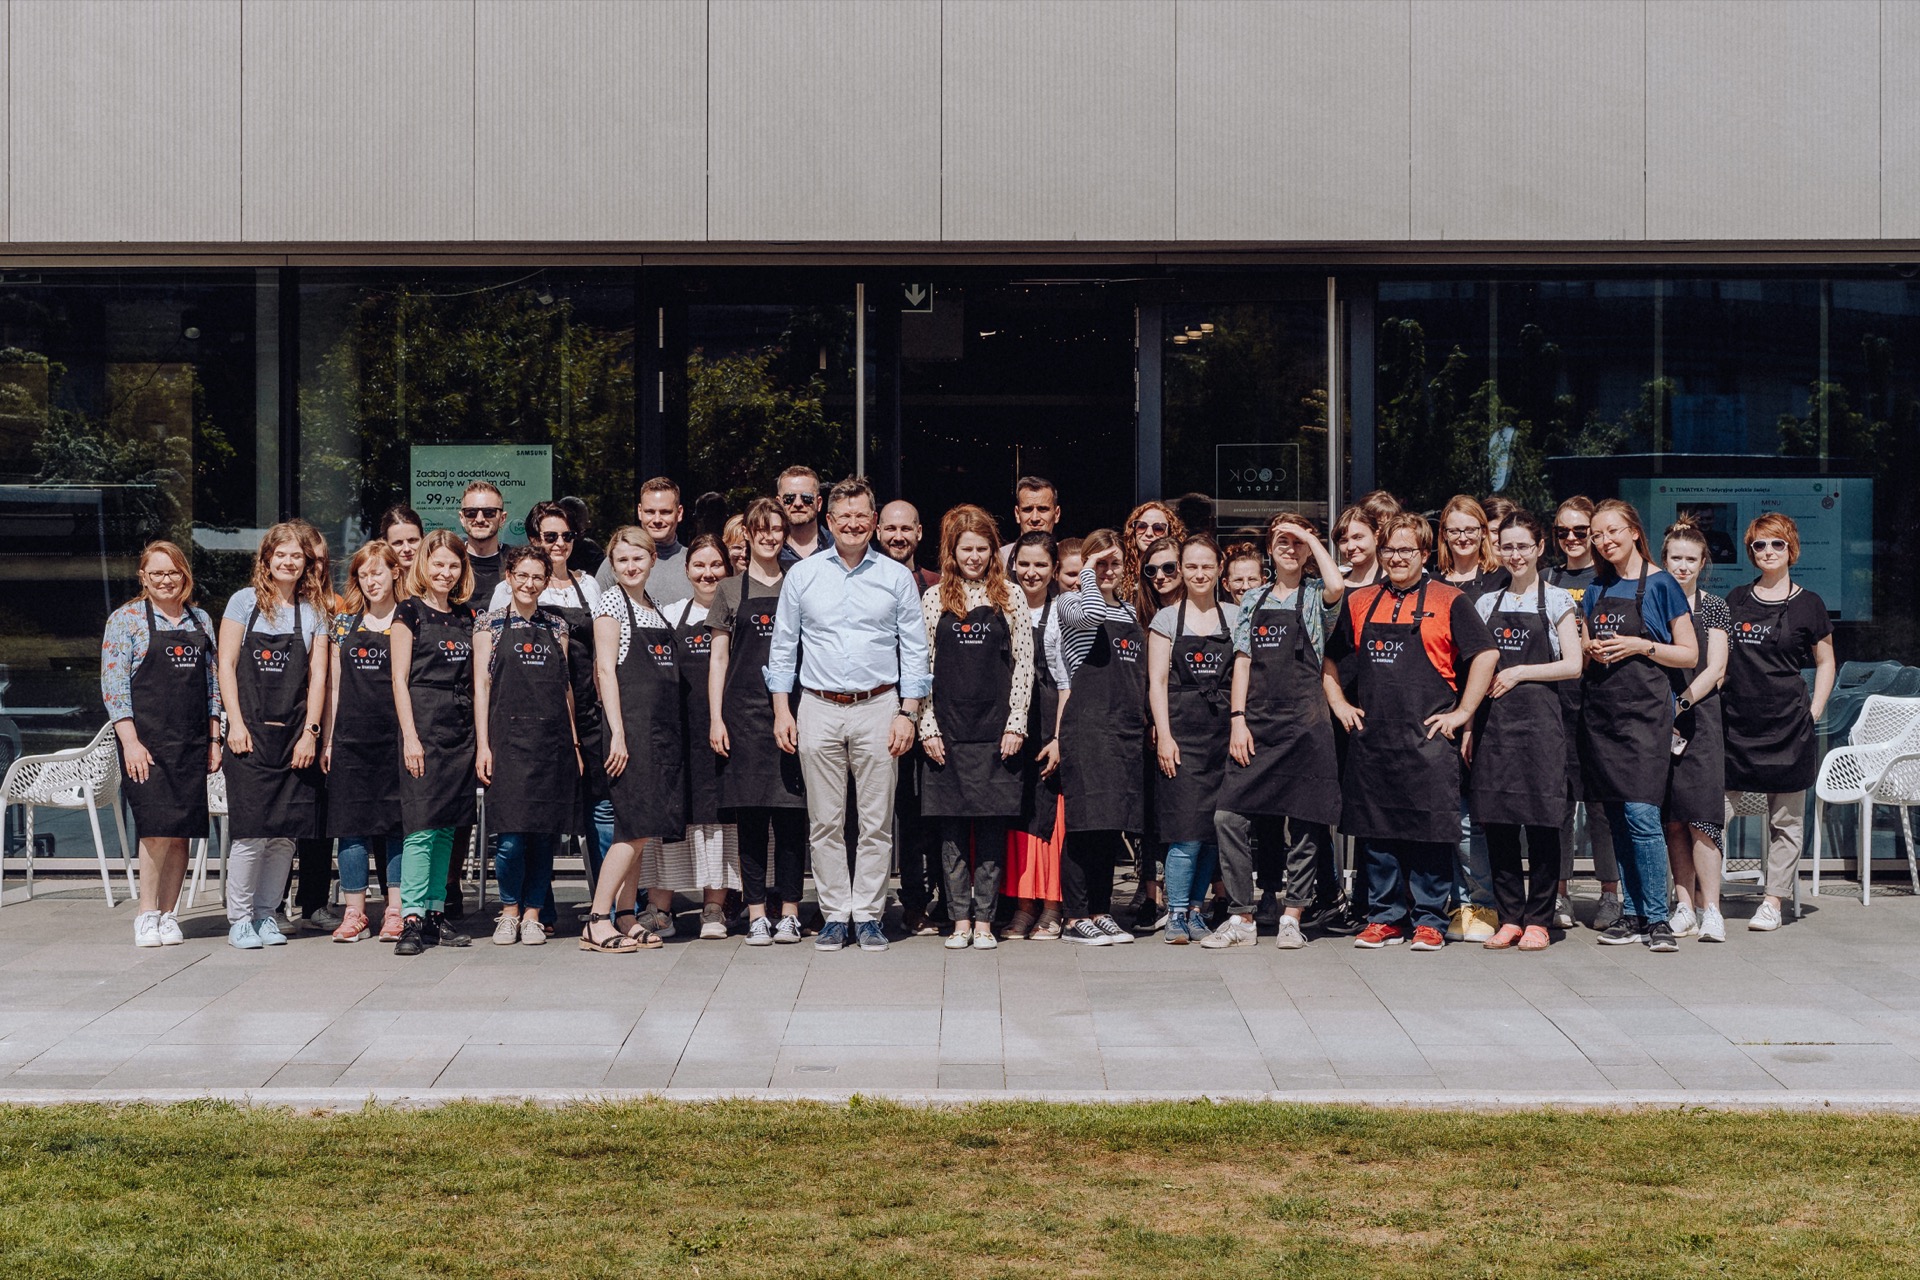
<point x="872" y="1189"/>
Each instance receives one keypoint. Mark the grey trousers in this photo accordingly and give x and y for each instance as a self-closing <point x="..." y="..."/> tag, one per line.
<point x="1235" y="833"/>
<point x="973" y="858"/>
<point x="256" y="877"/>
<point x="838" y="743"/>
<point x="1786" y="836"/>
<point x="1587" y="824"/>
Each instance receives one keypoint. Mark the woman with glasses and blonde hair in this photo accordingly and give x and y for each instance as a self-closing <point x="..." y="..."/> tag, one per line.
<point x="273" y="686"/>
<point x="1467" y="558"/>
<point x="1696" y="787"/>
<point x="1778" y="628"/>
<point x="360" y="752"/>
<point x="1585" y="824"/>
<point x="432" y="648"/>
<point x="157" y="679"/>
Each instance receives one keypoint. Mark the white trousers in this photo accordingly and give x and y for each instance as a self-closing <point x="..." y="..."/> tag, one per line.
<point x="838" y="743"/>
<point x="257" y="877"/>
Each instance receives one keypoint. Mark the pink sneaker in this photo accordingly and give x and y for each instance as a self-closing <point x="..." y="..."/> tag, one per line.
<point x="353" y="926"/>
<point x="392" y="923"/>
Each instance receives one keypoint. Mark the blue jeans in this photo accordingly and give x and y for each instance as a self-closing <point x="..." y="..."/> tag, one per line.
<point x="1397" y="867"/>
<point x="602" y="839"/>
<point x="1472" y="865"/>
<point x="354" y="852"/>
<point x="523" y="866"/>
<point x="1641" y="846"/>
<point x="1190" y="866"/>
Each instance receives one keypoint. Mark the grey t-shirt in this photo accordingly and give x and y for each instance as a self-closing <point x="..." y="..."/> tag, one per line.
<point x="668" y="581"/>
<point x="1164" y="621"/>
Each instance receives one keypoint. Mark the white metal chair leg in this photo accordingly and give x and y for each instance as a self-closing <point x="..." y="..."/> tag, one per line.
<point x="1913" y="867"/>
<point x="100" y="853"/>
<point x="30" y="852"/>
<point x="1819" y="831"/>
<point x="196" y="867"/>
<point x="1866" y="850"/>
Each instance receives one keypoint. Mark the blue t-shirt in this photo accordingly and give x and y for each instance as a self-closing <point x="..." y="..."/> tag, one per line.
<point x="273" y="622"/>
<point x="1664" y="600"/>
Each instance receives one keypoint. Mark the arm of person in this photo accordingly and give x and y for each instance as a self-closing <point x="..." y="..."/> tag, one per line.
<point x="333" y="709"/>
<point x="1351" y="718"/>
<point x="120" y="649"/>
<point x="1823" y="675"/>
<point x="916" y="665"/>
<point x="1049" y="753"/>
<point x="482" y="702"/>
<point x="400" y="643"/>
<point x="1333" y="587"/>
<point x="783" y="662"/>
<point x="1714" y="672"/>
<point x="306" y="747"/>
<point x="1020" y="697"/>
<point x="1159" y="667"/>
<point x="1086" y="609"/>
<point x="1240" y="738"/>
<point x="717" y="660"/>
<point x="1458" y="722"/>
<point x="930" y="740"/>
<point x="233" y="638"/>
<point x="606" y="678"/>
<point x="1565" y="667"/>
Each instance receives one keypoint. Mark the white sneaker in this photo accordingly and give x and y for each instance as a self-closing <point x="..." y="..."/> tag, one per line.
<point x="1713" y="928"/>
<point x="146" y="929"/>
<point x="1289" y="937"/>
<point x="170" y="935"/>
<point x="531" y="932"/>
<point x="1682" y="921"/>
<point x="506" y="930"/>
<point x="1766" y="919"/>
<point x="1234" y="932"/>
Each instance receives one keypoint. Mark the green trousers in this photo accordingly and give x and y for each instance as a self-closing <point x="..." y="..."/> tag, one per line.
<point x="423" y="870"/>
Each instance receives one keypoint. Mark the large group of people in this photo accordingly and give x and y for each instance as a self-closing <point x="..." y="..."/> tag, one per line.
<point x="1469" y="698"/>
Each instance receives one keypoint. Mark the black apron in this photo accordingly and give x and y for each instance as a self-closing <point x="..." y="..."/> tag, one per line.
<point x="1514" y="734"/>
<point x="1197" y="713"/>
<point x="1294" y="772"/>
<point x="267" y="797"/>
<point x="1771" y="744"/>
<point x="1040" y="797"/>
<point x="1626" y="711"/>
<point x="703" y="765"/>
<point x="171" y="718"/>
<point x="592" y="780"/>
<point x="973" y="667"/>
<point x="1697" y="785"/>
<point x="756" y="774"/>
<point x="650" y="795"/>
<point x="363" y="791"/>
<point x="534" y="775"/>
<point x="1103" y="733"/>
<point x="1569" y="691"/>
<point x="1400" y="784"/>
<point x="440" y="691"/>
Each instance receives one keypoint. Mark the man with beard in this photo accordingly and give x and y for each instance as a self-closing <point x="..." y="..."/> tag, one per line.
<point x="916" y="839"/>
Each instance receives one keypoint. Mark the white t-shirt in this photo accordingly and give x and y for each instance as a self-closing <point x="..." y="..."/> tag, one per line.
<point x="558" y="595"/>
<point x="1559" y="605"/>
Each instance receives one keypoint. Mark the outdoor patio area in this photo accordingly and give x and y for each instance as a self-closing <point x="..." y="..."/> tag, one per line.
<point x="1825" y="1009"/>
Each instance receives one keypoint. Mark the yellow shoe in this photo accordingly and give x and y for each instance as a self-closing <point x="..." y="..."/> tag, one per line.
<point x="1459" y="923"/>
<point x="1482" y="923"/>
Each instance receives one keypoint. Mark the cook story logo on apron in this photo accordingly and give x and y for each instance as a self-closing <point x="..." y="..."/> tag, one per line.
<point x="371" y="659"/>
<point x="1204" y="662"/>
<point x="1385" y="652"/>
<point x="457" y="649"/>
<point x="532" y="653"/>
<point x="181" y="657"/>
<point x="271" y="659"/>
<point x="662" y="654"/>
<point x="1270" y="635"/>
<point x="1607" y="622"/>
<point x="1126" y="649"/>
<point x="1512" y="639"/>
<point x="698" y="644"/>
<point x="1753" y="632"/>
<point x="762" y="623"/>
<point x="970" y="633"/>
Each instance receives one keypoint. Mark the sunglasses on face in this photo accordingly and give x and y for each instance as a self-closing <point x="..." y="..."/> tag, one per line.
<point x="1572" y="533"/>
<point x="1150" y="526"/>
<point x="1167" y="570"/>
<point x="1767" y="544"/>
<point x="799" y="499"/>
<point x="482" y="513"/>
<point x="551" y="537"/>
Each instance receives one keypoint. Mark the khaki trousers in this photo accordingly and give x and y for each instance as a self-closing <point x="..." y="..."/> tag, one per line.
<point x="1786" y="835"/>
<point x="837" y="743"/>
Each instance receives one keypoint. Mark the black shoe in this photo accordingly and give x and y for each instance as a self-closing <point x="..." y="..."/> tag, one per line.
<point x="1660" y="937"/>
<point x="1625" y="930"/>
<point x="1338" y="920"/>
<point x="442" y="932"/>
<point x="456" y="905"/>
<point x="413" y="939"/>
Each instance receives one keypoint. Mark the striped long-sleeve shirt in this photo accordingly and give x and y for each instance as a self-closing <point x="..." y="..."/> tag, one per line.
<point x="1082" y="613"/>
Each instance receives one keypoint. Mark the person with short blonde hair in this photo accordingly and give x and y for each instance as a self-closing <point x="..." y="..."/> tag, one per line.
<point x="360" y="751"/>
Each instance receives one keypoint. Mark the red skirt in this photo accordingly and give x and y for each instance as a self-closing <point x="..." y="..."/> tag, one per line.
<point x="1033" y="864"/>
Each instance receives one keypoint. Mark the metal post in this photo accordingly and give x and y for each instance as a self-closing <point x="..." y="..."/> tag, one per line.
<point x="1333" y="399"/>
<point x="860" y="379"/>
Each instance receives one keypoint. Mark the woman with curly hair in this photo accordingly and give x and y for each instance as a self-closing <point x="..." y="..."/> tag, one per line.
<point x="1149" y="523"/>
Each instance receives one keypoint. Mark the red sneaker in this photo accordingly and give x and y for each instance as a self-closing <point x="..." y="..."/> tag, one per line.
<point x="391" y="924"/>
<point x="1375" y="936"/>
<point x="1428" y="938"/>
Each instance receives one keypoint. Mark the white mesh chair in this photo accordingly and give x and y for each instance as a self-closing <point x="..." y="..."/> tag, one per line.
<point x="1753" y="871"/>
<point x="80" y="778"/>
<point x="218" y="830"/>
<point x="1888" y="731"/>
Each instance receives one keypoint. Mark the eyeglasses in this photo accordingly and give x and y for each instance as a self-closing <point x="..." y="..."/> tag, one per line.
<point x="1454" y="534"/>
<point x="799" y="499"/>
<point x="1509" y="549"/>
<point x="551" y="537"/>
<point x="1398" y="553"/>
<point x="162" y="575"/>
<point x="528" y="579"/>
<point x="1572" y="532"/>
<point x="1767" y="544"/>
<point x="1167" y="569"/>
<point x="1150" y="526"/>
<point x="482" y="513"/>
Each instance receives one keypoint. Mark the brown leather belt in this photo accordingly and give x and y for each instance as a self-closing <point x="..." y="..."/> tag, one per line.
<point x="847" y="699"/>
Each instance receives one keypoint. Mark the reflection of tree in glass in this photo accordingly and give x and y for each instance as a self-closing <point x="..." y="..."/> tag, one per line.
<point x="1248" y="381"/>
<point x="493" y="365"/>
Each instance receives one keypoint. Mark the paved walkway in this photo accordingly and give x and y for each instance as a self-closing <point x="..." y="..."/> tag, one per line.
<point x="1826" y="1009"/>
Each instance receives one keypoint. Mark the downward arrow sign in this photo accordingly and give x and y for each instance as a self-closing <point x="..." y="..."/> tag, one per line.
<point x="916" y="294"/>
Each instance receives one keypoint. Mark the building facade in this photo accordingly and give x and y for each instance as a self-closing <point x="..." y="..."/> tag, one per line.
<point x="266" y="258"/>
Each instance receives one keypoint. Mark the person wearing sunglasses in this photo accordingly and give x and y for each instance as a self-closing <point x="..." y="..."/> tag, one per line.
<point x="483" y="515"/>
<point x="1149" y="522"/>
<point x="1421" y="661"/>
<point x="659" y="512"/>
<point x="1779" y="627"/>
<point x="1585" y="825"/>
<point x="1156" y="586"/>
<point x="798" y="492"/>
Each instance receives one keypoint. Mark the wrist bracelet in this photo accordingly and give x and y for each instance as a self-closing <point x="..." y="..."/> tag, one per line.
<point x="1236" y="715"/>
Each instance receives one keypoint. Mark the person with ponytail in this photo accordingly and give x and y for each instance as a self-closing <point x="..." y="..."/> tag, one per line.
<point x="974" y="724"/>
<point x="1639" y="631"/>
<point x="1697" y="785"/>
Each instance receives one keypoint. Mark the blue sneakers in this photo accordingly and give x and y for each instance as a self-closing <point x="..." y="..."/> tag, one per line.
<point x="242" y="935"/>
<point x="872" y="936"/>
<point x="832" y="936"/>
<point x="268" y="931"/>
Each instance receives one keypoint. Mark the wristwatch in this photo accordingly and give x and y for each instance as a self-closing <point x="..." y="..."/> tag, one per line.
<point x="314" y="729"/>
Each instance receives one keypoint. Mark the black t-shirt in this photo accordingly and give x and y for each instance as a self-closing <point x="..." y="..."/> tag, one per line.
<point x="486" y="576"/>
<point x="1573" y="581"/>
<point x="1806" y="623"/>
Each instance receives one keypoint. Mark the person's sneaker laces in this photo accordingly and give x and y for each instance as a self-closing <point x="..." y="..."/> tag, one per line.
<point x="268" y="931"/>
<point x="506" y="930"/>
<point x="170" y="935"/>
<point x="657" y="922"/>
<point x="1427" y="938"/>
<point x="533" y="931"/>
<point x="760" y="932"/>
<point x="413" y="937"/>
<point x="1197" y="928"/>
<point x="1375" y="936"/>
<point x="1482" y="924"/>
<point x="1176" y="934"/>
<point x="1086" y="933"/>
<point x="1563" y="912"/>
<point x="872" y="937"/>
<point x="1233" y="932"/>
<point x="1766" y="919"/>
<point x="352" y="926"/>
<point x="1660" y="937"/>
<point x="1624" y="931"/>
<point x="1287" y="935"/>
<point x="1459" y="922"/>
<point x="146" y="929"/>
<point x="391" y="923"/>
<point x="1111" y="927"/>
<point x="1682" y="921"/>
<point x="1608" y="913"/>
<point x="1713" y="926"/>
<point x="832" y="936"/>
<point x="243" y="935"/>
<point x="786" y="930"/>
<point x="713" y="922"/>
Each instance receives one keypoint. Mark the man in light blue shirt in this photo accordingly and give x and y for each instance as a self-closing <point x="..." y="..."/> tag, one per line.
<point x="849" y="634"/>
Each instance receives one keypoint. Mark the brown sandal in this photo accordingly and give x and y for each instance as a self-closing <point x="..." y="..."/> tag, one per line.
<point x="618" y="944"/>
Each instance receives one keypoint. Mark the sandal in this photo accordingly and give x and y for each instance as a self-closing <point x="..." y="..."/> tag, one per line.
<point x="1021" y="924"/>
<point x="616" y="945"/>
<point x="1534" y="939"/>
<point x="1048" y="929"/>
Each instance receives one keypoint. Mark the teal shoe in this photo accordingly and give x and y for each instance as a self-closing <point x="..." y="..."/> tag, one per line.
<point x="244" y="936"/>
<point x="268" y="930"/>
